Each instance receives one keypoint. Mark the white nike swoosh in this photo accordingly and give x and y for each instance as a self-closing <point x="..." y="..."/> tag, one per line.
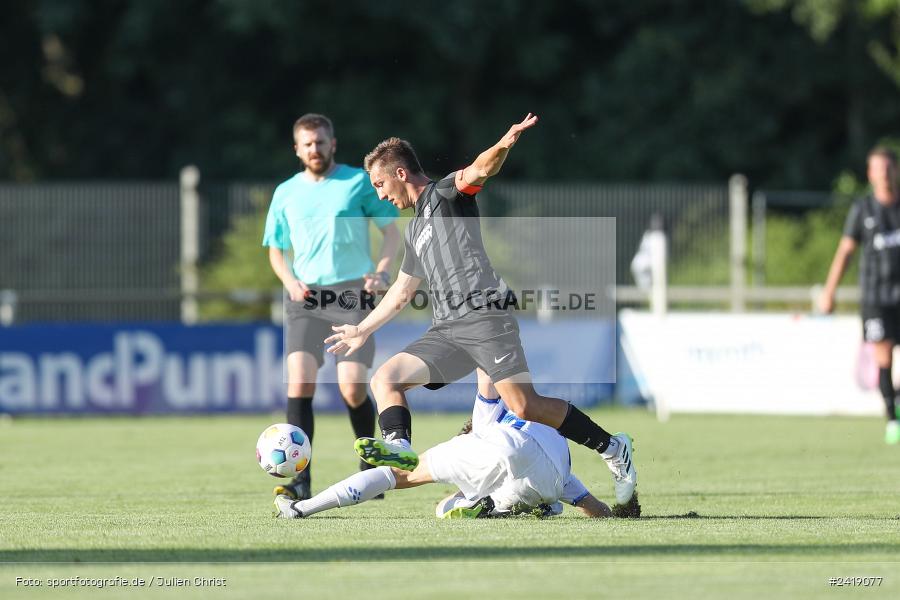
<point x="497" y="361"/>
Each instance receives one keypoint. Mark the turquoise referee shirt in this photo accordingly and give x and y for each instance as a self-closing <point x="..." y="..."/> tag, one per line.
<point x="326" y="223"/>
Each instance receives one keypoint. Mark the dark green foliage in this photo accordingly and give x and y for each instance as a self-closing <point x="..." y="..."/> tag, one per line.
<point x="242" y="264"/>
<point x="649" y="90"/>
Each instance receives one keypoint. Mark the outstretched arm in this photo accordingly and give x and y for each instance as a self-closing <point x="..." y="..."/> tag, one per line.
<point x="592" y="507"/>
<point x="845" y="250"/>
<point x="347" y="339"/>
<point x="577" y="495"/>
<point x="489" y="162"/>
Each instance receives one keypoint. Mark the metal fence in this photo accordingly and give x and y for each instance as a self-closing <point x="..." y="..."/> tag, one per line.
<point x="112" y="251"/>
<point x="695" y="218"/>
<point x="90" y="251"/>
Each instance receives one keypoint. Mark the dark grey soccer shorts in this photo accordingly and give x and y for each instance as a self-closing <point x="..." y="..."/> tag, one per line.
<point x="881" y="323"/>
<point x="452" y="349"/>
<point x="308" y="322"/>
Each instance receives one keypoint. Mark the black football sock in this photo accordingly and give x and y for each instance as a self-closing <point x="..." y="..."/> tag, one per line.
<point x="396" y="420"/>
<point x="886" y="385"/>
<point x="579" y="428"/>
<point x="362" y="418"/>
<point x="300" y="414"/>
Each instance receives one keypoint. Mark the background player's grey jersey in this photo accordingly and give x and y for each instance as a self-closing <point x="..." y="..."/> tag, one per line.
<point x="876" y="228"/>
<point x="443" y="246"/>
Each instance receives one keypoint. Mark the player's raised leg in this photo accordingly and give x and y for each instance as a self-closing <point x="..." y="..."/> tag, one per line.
<point x="389" y="385"/>
<point x="520" y="396"/>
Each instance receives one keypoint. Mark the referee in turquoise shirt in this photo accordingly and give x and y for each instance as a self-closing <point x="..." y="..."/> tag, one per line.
<point x="322" y="214"/>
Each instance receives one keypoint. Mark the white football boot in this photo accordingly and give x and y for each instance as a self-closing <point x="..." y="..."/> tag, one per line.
<point x="286" y="507"/>
<point x="622" y="467"/>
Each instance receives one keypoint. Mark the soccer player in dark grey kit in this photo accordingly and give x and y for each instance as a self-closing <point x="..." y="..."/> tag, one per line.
<point x="874" y="224"/>
<point x="470" y="329"/>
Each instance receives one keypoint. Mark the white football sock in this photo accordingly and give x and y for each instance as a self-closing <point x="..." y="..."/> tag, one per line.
<point x="357" y="488"/>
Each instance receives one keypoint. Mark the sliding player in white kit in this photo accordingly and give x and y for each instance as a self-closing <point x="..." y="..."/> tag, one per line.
<point x="504" y="466"/>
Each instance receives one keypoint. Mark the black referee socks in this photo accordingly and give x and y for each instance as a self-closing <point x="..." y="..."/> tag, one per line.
<point x="396" y="420"/>
<point x="362" y="419"/>
<point x="579" y="428"/>
<point x="300" y="414"/>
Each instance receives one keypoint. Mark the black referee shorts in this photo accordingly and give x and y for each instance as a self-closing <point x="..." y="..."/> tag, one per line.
<point x="452" y="349"/>
<point x="308" y="322"/>
<point x="881" y="323"/>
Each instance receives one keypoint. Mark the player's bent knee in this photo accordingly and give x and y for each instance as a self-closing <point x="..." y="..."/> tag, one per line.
<point x="380" y="382"/>
<point x="386" y="381"/>
<point x="521" y="407"/>
<point x="533" y="406"/>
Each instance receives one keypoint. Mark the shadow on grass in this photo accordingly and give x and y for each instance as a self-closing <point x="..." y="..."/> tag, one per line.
<point x="694" y="515"/>
<point x="364" y="553"/>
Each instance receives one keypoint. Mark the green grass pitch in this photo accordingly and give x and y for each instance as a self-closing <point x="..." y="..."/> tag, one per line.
<point x="734" y="506"/>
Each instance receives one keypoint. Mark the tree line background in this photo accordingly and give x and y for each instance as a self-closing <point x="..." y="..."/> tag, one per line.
<point x="789" y="92"/>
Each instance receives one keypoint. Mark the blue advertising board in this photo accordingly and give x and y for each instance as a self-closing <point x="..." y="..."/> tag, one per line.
<point x="144" y="368"/>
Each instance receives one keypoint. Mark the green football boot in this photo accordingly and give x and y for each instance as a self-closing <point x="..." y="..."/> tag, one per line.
<point x="482" y="509"/>
<point x="387" y="453"/>
<point x="892" y="433"/>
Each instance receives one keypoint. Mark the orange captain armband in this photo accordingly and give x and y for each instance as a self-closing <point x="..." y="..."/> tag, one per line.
<point x="464" y="187"/>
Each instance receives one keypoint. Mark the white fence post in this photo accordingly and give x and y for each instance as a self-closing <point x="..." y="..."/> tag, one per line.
<point x="659" y="281"/>
<point x="190" y="243"/>
<point x="737" y="200"/>
<point x="8" y="301"/>
<point x="758" y="243"/>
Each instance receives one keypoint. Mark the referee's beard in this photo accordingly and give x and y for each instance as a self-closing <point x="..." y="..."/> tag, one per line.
<point x="325" y="162"/>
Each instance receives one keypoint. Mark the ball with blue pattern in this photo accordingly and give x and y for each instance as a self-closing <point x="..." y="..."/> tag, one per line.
<point x="283" y="450"/>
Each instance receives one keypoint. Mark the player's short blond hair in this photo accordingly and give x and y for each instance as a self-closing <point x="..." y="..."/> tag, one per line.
<point x="391" y="154"/>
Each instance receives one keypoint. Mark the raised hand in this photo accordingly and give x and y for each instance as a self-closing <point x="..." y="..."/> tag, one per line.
<point x="516" y="130"/>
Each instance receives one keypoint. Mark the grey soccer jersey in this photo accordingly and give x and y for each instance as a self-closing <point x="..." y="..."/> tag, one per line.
<point x="876" y="228"/>
<point x="443" y="246"/>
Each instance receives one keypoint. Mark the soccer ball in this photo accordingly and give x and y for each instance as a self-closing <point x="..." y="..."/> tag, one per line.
<point x="283" y="450"/>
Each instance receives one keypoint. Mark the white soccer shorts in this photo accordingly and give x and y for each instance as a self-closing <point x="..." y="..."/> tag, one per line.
<point x="487" y="465"/>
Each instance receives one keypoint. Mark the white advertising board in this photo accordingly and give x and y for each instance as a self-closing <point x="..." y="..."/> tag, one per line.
<point x="748" y="363"/>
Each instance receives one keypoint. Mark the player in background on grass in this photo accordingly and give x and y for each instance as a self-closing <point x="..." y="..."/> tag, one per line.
<point x="323" y="213"/>
<point x="504" y="466"/>
<point x="470" y="328"/>
<point x="874" y="223"/>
